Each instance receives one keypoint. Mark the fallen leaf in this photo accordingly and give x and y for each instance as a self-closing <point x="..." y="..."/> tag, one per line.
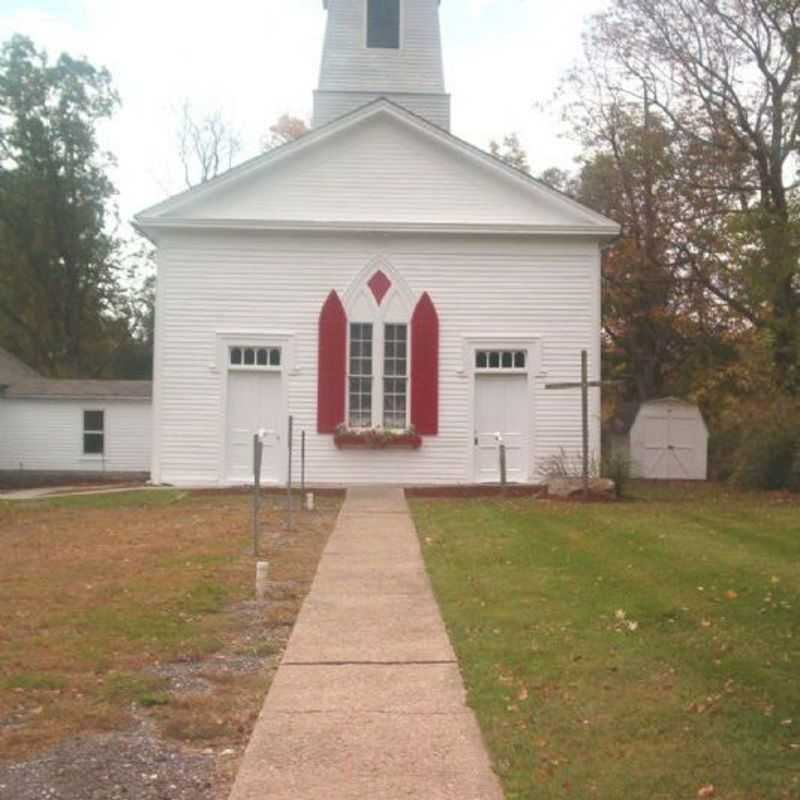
<point x="707" y="791"/>
<point x="731" y="595"/>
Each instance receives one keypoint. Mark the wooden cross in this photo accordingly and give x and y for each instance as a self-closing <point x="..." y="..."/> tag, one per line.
<point x="584" y="386"/>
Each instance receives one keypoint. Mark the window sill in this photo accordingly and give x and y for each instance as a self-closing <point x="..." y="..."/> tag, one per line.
<point x="355" y="441"/>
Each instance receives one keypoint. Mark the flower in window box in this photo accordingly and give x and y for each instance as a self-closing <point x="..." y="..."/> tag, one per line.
<point x="377" y="438"/>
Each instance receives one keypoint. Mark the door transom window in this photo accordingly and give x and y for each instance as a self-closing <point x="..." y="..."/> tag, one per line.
<point x="244" y="357"/>
<point x="501" y="360"/>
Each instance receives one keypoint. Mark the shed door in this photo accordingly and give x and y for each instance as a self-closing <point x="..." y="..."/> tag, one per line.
<point x="501" y="409"/>
<point x="670" y="445"/>
<point x="254" y="403"/>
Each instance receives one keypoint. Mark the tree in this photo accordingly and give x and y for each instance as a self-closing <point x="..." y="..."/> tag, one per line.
<point x="133" y="358"/>
<point x="560" y="180"/>
<point x="207" y="145"/>
<point x="59" y="281"/>
<point x="660" y="322"/>
<point x="511" y="151"/>
<point x="724" y="77"/>
<point x="655" y="323"/>
<point x="286" y="129"/>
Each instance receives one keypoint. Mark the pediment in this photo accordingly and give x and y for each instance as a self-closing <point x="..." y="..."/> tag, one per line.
<point x="379" y="166"/>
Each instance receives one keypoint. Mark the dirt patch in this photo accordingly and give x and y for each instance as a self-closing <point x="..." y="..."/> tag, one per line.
<point x="133" y="661"/>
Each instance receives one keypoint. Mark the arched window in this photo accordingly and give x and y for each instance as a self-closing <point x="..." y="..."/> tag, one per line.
<point x="378" y="354"/>
<point x="379" y="358"/>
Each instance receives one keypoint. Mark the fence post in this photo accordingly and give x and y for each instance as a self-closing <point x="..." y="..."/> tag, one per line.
<point x="302" y="465"/>
<point x="289" y="481"/>
<point x="258" y="449"/>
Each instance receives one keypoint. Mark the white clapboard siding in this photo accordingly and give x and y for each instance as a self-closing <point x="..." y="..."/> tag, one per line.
<point x="329" y="106"/>
<point x="382" y="169"/>
<point x="349" y="65"/>
<point x="47" y="435"/>
<point x="257" y="283"/>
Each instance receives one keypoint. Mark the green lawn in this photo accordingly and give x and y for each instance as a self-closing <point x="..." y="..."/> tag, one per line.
<point x="647" y="649"/>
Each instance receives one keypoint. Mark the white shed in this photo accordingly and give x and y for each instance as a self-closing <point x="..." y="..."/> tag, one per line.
<point x="669" y="441"/>
<point x="62" y="429"/>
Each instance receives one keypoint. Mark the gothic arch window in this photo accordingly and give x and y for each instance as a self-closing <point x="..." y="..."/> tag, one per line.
<point x="378" y="354"/>
<point x="379" y="357"/>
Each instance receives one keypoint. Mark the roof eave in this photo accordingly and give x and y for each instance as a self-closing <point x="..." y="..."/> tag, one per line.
<point x="93" y="398"/>
<point x="151" y="226"/>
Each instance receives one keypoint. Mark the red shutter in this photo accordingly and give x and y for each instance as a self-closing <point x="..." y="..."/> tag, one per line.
<point x="332" y="365"/>
<point x="425" y="368"/>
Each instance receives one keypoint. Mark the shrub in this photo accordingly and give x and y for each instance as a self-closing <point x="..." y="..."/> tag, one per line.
<point x="565" y="465"/>
<point x="794" y="475"/>
<point x="767" y="456"/>
<point x="618" y="467"/>
<point x="722" y="448"/>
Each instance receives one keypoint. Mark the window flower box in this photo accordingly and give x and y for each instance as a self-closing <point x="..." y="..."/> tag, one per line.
<point x="376" y="439"/>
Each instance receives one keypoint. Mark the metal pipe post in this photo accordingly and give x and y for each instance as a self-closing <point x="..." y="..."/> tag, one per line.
<point x="302" y="465"/>
<point x="257" y="452"/>
<point x="585" y="418"/>
<point x="289" y="481"/>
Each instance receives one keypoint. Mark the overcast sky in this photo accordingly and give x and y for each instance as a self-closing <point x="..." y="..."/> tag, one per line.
<point x="256" y="59"/>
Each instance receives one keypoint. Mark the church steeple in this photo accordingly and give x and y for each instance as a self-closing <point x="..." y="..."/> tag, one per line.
<point x="382" y="48"/>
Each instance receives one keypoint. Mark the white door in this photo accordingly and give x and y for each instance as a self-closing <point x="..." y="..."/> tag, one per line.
<point x="254" y="403"/>
<point x="670" y="450"/>
<point x="501" y="412"/>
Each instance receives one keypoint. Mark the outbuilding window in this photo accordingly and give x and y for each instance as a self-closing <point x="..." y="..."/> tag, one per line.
<point x="94" y="433"/>
<point x="383" y="24"/>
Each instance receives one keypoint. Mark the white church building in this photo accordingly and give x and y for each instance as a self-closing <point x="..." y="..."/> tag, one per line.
<point x="403" y="295"/>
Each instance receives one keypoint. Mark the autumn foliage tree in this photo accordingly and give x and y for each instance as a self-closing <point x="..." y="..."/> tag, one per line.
<point x="286" y="129"/>
<point x="723" y="78"/>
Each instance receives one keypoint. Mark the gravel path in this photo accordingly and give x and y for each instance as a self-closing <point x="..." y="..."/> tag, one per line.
<point x="119" y="766"/>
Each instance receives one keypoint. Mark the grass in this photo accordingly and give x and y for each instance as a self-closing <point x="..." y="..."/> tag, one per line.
<point x="646" y="649"/>
<point x="144" y="690"/>
<point x="99" y="591"/>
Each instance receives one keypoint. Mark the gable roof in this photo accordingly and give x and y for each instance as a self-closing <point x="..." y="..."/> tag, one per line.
<point x="12" y="369"/>
<point x="97" y="390"/>
<point x="305" y="185"/>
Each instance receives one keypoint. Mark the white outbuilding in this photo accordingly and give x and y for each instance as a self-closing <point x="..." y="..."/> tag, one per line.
<point x="669" y="441"/>
<point x="63" y="430"/>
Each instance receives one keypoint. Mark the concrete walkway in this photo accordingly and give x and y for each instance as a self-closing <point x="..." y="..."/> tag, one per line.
<point x="368" y="702"/>
<point x="58" y="492"/>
